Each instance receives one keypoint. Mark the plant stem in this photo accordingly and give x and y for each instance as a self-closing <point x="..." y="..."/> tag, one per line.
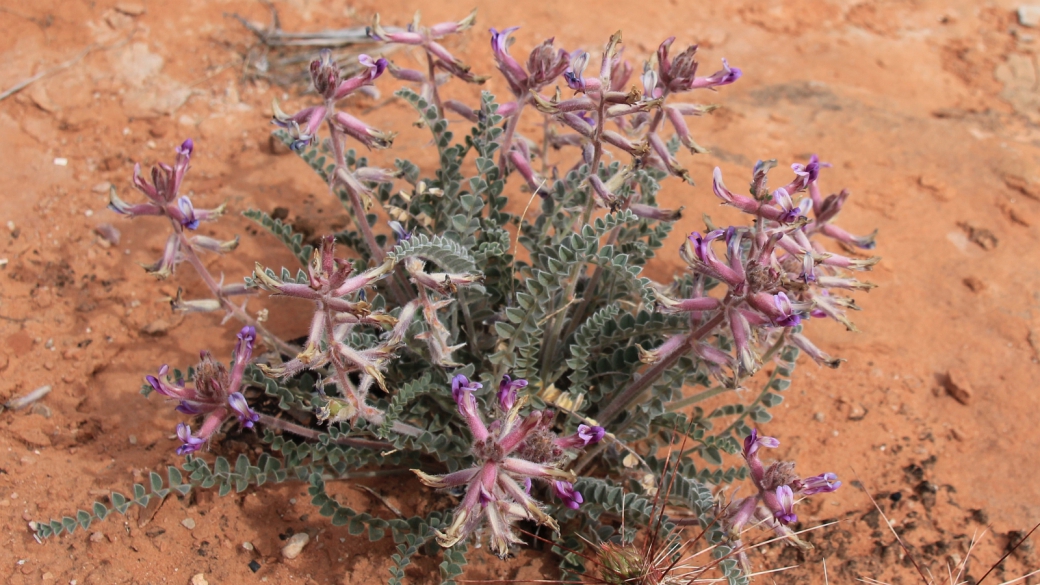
<point x="549" y="353"/>
<point x="507" y="137"/>
<point x="338" y="140"/>
<point x="360" y="217"/>
<point x="471" y="330"/>
<point x="698" y="397"/>
<point x="313" y="435"/>
<point x="433" y="86"/>
<point x="625" y="399"/>
<point x="211" y="283"/>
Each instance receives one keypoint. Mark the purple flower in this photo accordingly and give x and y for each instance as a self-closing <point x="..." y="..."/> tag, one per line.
<point x="791" y="212"/>
<point x="566" y="492"/>
<point x="188" y="211"/>
<point x="216" y="394"/>
<point x="575" y="74"/>
<point x="724" y="76"/>
<point x="585" y="436"/>
<point x="591" y="435"/>
<point x="785" y="499"/>
<point x="400" y="234"/>
<point x="186" y="148"/>
<point x="752" y="443"/>
<point x="697" y="252"/>
<point x="246" y="416"/>
<point x="460" y="384"/>
<point x="190" y="442"/>
<point x="507" y="390"/>
<point x="510" y="452"/>
<point x="818" y="484"/>
<point x="510" y="68"/>
<point x="788" y="316"/>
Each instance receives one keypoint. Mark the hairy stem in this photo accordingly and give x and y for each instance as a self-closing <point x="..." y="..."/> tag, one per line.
<point x="189" y="254"/>
<point x="507" y="136"/>
<point x="549" y="353"/>
<point x="628" y="396"/>
<point x="360" y="217"/>
<point x="433" y="86"/>
<point x="338" y="139"/>
<point x="313" y="435"/>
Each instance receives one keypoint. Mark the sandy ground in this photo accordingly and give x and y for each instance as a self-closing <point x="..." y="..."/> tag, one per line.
<point x="927" y="109"/>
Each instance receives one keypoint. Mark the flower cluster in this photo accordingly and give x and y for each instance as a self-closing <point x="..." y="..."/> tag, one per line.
<point x="339" y="307"/>
<point x="638" y="116"/>
<point x="216" y="396"/>
<point x="777" y="489"/>
<point x="164" y="198"/>
<point x="510" y="454"/>
<point x="776" y="274"/>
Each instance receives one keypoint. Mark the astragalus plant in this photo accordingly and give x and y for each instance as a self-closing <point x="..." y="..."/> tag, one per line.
<point x="486" y="323"/>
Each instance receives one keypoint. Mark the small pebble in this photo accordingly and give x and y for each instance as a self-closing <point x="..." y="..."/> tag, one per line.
<point x="248" y="546"/>
<point x="188" y="523"/>
<point x="108" y="232"/>
<point x="97" y="537"/>
<point x="133" y="439"/>
<point x="61" y="162"/>
<point x="254" y="566"/>
<point x="294" y="547"/>
<point x="1029" y="15"/>
<point x="199" y="579"/>
<point x="819" y="417"/>
<point x="857" y="411"/>
<point x="958" y="386"/>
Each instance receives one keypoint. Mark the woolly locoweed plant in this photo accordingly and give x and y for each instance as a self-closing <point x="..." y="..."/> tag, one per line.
<point x="535" y="387"/>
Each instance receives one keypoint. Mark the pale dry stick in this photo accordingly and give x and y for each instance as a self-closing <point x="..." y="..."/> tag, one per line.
<point x="1017" y="579"/>
<point x="23" y="401"/>
<point x="64" y="65"/>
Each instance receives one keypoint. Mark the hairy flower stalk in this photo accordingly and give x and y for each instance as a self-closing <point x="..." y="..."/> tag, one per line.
<point x="302" y="126"/>
<point x="662" y="78"/>
<point x="164" y="198"/>
<point x="772" y="506"/>
<point x="509" y="455"/>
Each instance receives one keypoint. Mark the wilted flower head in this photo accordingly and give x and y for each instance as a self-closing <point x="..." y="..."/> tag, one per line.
<point x="544" y="64"/>
<point x="679" y="75"/>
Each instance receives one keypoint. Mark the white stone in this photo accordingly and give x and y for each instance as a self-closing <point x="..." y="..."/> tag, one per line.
<point x="294" y="547"/>
<point x="1029" y="15"/>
